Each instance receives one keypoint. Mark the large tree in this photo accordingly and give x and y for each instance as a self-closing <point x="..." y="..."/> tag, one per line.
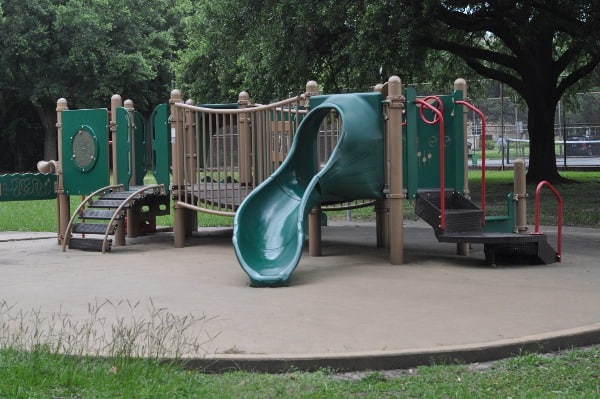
<point x="85" y="51"/>
<point x="271" y="48"/>
<point x="539" y="48"/>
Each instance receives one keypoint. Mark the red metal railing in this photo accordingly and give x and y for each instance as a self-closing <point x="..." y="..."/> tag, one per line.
<point x="537" y="214"/>
<point x="439" y="118"/>
<point x="483" y="142"/>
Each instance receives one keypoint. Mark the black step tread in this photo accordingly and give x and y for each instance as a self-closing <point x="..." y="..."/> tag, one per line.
<point x="120" y="195"/>
<point x="481" y="237"/>
<point x="89" y="244"/>
<point x="92" y="228"/>
<point x="97" y="214"/>
<point x="106" y="203"/>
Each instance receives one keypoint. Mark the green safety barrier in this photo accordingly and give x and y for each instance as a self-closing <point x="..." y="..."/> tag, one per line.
<point x="27" y="187"/>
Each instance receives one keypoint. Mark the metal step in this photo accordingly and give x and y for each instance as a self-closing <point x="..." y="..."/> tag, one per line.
<point x="106" y="203"/>
<point x="89" y="244"/>
<point x="96" y="214"/>
<point x="92" y="228"/>
<point x="461" y="215"/>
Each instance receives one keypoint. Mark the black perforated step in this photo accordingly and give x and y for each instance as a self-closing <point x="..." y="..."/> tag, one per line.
<point x="98" y="214"/>
<point x="92" y="228"/>
<point x="89" y="244"/>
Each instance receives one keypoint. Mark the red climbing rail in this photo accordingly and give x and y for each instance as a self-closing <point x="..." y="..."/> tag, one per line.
<point x="439" y="118"/>
<point x="559" y="216"/>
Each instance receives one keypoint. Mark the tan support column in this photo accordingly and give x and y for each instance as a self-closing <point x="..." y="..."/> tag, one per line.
<point x="179" y="228"/>
<point x="395" y="162"/>
<point x="63" y="202"/>
<point x="115" y="102"/>
<point x="382" y="229"/>
<point x="191" y="157"/>
<point x="314" y="231"/>
<point x="132" y="212"/>
<point x="245" y="147"/>
<point x="520" y="196"/>
<point x="314" y="217"/>
<point x="461" y="84"/>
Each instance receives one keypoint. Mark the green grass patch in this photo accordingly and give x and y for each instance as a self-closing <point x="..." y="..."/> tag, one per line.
<point x="581" y="205"/>
<point x="42" y="374"/>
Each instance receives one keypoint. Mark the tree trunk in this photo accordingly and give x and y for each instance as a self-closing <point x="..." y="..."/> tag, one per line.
<point x="542" y="154"/>
<point x="48" y="119"/>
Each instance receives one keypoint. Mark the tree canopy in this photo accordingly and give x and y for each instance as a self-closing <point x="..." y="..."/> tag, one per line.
<point x="539" y="48"/>
<point x="87" y="50"/>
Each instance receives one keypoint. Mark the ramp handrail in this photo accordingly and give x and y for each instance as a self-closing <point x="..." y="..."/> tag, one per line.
<point x="483" y="140"/>
<point x="87" y="200"/>
<point x="439" y="118"/>
<point x="559" y="216"/>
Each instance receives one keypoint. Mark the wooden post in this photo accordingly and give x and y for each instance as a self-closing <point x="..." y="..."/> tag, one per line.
<point x="461" y="84"/>
<point x="179" y="228"/>
<point x="63" y="202"/>
<point x="520" y="196"/>
<point x="395" y="163"/>
<point x="115" y="102"/>
<point x="244" y="142"/>
<point x="314" y="217"/>
<point x="382" y="215"/>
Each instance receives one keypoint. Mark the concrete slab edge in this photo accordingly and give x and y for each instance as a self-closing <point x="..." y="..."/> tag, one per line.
<point x="404" y="359"/>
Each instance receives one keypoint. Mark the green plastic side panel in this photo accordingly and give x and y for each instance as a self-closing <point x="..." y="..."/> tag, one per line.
<point x="409" y="145"/>
<point x="422" y="147"/>
<point x="161" y="145"/>
<point x="140" y="149"/>
<point x="461" y="142"/>
<point x="94" y="124"/>
<point x="27" y="186"/>
<point x="125" y="134"/>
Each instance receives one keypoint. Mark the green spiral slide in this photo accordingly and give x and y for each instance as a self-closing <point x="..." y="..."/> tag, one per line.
<point x="269" y="227"/>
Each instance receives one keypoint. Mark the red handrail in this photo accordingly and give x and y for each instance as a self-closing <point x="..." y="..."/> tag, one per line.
<point x="439" y="118"/>
<point x="537" y="214"/>
<point x="483" y="141"/>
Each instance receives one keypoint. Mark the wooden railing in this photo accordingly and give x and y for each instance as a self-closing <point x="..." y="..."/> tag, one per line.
<point x="222" y="152"/>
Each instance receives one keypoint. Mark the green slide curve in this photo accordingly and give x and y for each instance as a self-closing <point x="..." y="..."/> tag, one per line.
<point x="269" y="227"/>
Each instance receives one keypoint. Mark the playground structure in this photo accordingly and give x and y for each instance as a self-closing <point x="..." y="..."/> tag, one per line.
<point x="277" y="167"/>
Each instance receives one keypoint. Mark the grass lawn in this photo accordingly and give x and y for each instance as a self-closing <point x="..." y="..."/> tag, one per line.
<point x="42" y="374"/>
<point x="581" y="205"/>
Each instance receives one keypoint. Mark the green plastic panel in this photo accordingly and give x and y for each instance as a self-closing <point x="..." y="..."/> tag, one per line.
<point x="85" y="150"/>
<point x="27" y="186"/>
<point x="140" y="149"/>
<point x="161" y="145"/>
<point x="422" y="146"/>
<point x="125" y="134"/>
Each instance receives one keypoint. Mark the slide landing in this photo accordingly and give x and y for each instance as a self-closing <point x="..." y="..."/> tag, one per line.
<point x="270" y="225"/>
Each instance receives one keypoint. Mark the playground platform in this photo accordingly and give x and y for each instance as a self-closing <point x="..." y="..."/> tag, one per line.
<point x="346" y="310"/>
